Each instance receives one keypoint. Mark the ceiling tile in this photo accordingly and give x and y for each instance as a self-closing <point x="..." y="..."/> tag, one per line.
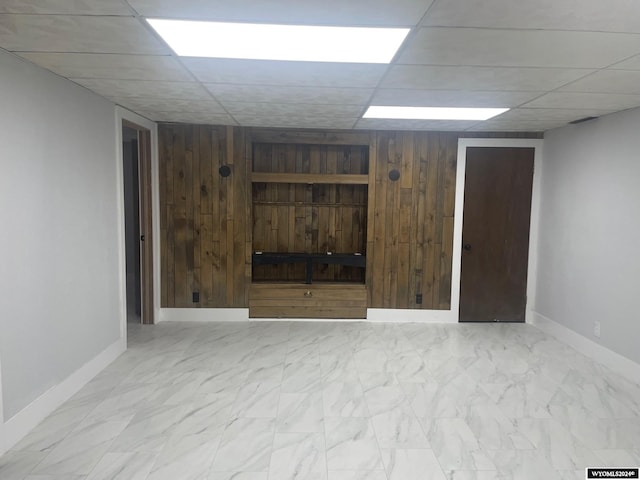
<point x="451" y="98"/>
<point x="65" y="7"/>
<point x="139" y="88"/>
<point x="433" y="125"/>
<point x="609" y="16"/>
<point x="480" y="78"/>
<point x="316" y="12"/>
<point x="518" y="48"/>
<point x="298" y="109"/>
<point x="547" y="115"/>
<point x="632" y="63"/>
<point x="162" y="104"/>
<point x="116" y="66"/>
<point x="289" y="121"/>
<point x="573" y="100"/>
<point x="226" y="92"/>
<point x="608" y="81"/>
<point x="536" y="119"/>
<point x="509" y="126"/>
<point x="189" y="117"/>
<point x="79" y="34"/>
<point x="285" y="73"/>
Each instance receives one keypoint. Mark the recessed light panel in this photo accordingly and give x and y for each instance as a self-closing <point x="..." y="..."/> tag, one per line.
<point x="280" y="42"/>
<point x="432" y="113"/>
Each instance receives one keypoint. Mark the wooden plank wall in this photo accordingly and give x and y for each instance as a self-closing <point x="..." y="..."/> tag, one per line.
<point x="309" y="218"/>
<point x="412" y="220"/>
<point x="205" y="237"/>
<point x="207" y="222"/>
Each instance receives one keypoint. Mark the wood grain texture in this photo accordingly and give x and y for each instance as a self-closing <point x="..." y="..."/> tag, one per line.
<point x="498" y="187"/>
<point x="323" y="212"/>
<point x="204" y="216"/>
<point x="290" y="300"/>
<point x="413" y="220"/>
<point x="210" y="225"/>
<point x="310" y="178"/>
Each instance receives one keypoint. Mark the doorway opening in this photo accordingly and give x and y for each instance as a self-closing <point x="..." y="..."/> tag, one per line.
<point x="136" y="157"/>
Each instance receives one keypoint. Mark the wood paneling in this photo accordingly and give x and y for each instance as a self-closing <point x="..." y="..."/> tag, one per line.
<point x="278" y="300"/>
<point x="311" y="178"/>
<point x="205" y="235"/>
<point x="210" y="225"/>
<point x="303" y="210"/>
<point x="412" y="220"/>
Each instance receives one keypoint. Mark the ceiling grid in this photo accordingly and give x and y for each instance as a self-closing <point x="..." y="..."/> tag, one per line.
<point x="549" y="61"/>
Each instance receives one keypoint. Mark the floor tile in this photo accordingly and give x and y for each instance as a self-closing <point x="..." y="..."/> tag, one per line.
<point x="371" y="360"/>
<point x="50" y="432"/>
<point x="149" y="429"/>
<point x="123" y="466"/>
<point x="456" y="447"/>
<point x="298" y="455"/>
<point x="344" y="400"/>
<point x="523" y="464"/>
<point x="245" y="445"/>
<point x="411" y="465"/>
<point x="561" y="449"/>
<point x="257" y="400"/>
<point x="491" y="427"/>
<point x="300" y="412"/>
<point x="186" y="458"/>
<point x="301" y="377"/>
<point x="399" y="428"/>
<point x="206" y="414"/>
<point x="17" y="465"/>
<point x="384" y="399"/>
<point x="371" y="380"/>
<point x="82" y="449"/>
<point x="55" y="477"/>
<point x="224" y="378"/>
<point x="338" y="401"/>
<point x="351" y="444"/>
<point x="338" y="367"/>
<point x="238" y="476"/>
<point x="357" y="475"/>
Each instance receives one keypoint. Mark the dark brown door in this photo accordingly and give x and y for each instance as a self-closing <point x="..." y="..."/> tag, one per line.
<point x="495" y="234"/>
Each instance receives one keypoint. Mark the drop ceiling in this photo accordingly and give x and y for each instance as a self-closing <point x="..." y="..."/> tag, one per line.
<point x="550" y="61"/>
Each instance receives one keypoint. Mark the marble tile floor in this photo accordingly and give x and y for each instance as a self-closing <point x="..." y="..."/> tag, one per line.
<point x="338" y="401"/>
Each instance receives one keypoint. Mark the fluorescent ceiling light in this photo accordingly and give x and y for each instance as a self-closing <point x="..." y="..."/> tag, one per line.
<point x="280" y="42"/>
<point x="432" y="113"/>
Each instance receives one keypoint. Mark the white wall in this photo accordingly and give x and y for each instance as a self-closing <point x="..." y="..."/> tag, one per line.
<point x="59" y="231"/>
<point x="589" y="242"/>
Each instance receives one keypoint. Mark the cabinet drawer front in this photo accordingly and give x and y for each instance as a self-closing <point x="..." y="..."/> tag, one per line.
<point x="295" y="291"/>
<point x="307" y="301"/>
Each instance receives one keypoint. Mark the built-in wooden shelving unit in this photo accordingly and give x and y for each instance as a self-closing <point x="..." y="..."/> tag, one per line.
<point x="309" y="206"/>
<point x="310" y="178"/>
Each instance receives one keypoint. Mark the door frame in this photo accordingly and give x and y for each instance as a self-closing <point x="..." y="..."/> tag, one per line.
<point x="463" y="144"/>
<point x="126" y="117"/>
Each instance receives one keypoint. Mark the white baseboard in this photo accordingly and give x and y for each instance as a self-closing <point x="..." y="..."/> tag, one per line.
<point x="403" y="315"/>
<point x="1" y="406"/>
<point x="204" y="315"/>
<point x="242" y="315"/>
<point x="619" y="363"/>
<point x="26" y="419"/>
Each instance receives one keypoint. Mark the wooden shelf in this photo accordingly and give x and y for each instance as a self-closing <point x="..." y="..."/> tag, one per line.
<point x="310" y="178"/>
